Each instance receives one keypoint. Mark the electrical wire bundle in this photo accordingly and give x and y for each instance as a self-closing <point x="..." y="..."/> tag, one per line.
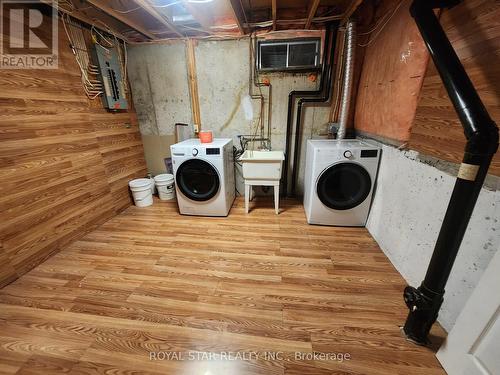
<point x="88" y="71"/>
<point x="381" y="24"/>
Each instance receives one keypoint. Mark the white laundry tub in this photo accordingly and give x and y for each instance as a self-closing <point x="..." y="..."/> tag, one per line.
<point x="262" y="168"/>
<point x="262" y="165"/>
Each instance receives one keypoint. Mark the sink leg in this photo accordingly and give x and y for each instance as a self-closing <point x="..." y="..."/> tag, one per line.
<point x="247" y="196"/>
<point x="276" y="199"/>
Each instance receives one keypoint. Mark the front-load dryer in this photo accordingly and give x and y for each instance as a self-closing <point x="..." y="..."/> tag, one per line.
<point x="204" y="176"/>
<point x="339" y="181"/>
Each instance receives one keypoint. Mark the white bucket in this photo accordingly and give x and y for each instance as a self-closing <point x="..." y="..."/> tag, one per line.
<point x="141" y="191"/>
<point x="165" y="186"/>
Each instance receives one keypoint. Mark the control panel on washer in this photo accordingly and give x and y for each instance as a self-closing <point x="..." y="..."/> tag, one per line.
<point x="208" y="151"/>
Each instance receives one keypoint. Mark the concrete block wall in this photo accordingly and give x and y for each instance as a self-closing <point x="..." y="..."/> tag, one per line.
<point x="406" y="215"/>
<point x="158" y="77"/>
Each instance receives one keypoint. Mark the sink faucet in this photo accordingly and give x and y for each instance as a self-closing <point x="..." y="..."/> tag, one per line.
<point x="265" y="143"/>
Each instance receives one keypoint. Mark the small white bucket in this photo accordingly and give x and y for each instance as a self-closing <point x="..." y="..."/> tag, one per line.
<point x="165" y="186"/>
<point x="141" y="191"/>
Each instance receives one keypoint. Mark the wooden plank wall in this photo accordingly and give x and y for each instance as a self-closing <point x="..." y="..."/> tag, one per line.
<point x="64" y="162"/>
<point x="122" y="151"/>
<point x="474" y="30"/>
<point x="392" y="73"/>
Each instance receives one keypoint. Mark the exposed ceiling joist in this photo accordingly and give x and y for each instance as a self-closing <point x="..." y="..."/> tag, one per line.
<point x="146" y="5"/>
<point x="102" y="6"/>
<point x="311" y="11"/>
<point x="153" y="22"/>
<point x="238" y="14"/>
<point x="350" y="10"/>
<point x="273" y="11"/>
<point x="89" y="21"/>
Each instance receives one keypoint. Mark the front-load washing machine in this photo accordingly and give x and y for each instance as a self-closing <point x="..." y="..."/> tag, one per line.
<point x="204" y="176"/>
<point x="339" y="180"/>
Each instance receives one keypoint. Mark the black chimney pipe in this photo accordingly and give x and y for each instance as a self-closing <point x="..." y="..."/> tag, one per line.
<point x="481" y="132"/>
<point x="302" y="93"/>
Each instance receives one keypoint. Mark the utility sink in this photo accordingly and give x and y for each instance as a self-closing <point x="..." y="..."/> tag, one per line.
<point x="262" y="165"/>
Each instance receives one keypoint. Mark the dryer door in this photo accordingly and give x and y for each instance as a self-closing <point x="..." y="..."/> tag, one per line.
<point x="343" y="186"/>
<point x="197" y="180"/>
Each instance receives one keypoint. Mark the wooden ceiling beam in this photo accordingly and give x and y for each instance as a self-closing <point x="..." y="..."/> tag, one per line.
<point x="235" y="6"/>
<point x="120" y="17"/>
<point x="80" y="16"/>
<point x="150" y="9"/>
<point x="349" y="11"/>
<point x="311" y="11"/>
<point x="273" y="11"/>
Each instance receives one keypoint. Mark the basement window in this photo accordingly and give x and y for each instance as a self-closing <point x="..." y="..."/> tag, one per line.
<point x="292" y="54"/>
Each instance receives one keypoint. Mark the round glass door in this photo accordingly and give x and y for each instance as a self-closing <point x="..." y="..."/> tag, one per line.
<point x="343" y="186"/>
<point x="197" y="180"/>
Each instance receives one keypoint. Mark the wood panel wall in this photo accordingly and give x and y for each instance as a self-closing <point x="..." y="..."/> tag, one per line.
<point x="122" y="152"/>
<point x="64" y="162"/>
<point x="392" y="74"/>
<point x="474" y="30"/>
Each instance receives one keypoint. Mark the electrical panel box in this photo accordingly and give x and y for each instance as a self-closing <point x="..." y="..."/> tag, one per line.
<point x="109" y="64"/>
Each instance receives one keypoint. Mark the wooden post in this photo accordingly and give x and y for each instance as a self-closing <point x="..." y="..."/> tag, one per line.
<point x="193" y="84"/>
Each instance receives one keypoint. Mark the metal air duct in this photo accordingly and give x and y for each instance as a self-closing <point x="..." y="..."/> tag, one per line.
<point x="350" y="49"/>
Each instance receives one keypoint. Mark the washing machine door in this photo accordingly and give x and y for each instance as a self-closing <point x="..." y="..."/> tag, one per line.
<point x="343" y="186"/>
<point x="198" y="180"/>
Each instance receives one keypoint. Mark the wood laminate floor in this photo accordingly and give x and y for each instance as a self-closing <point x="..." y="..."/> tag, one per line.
<point x="248" y="294"/>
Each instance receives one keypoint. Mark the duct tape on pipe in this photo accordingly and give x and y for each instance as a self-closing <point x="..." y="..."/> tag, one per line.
<point x="468" y="171"/>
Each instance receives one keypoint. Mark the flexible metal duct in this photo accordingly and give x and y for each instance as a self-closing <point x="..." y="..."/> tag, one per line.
<point x="350" y="48"/>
